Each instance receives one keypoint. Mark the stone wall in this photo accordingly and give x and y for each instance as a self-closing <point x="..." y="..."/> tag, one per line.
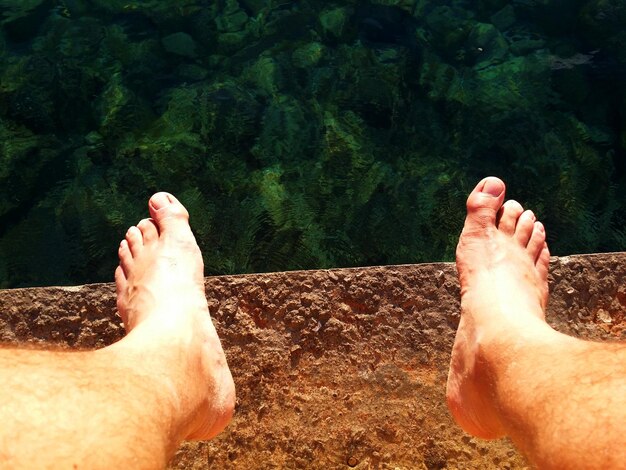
<point x="335" y="369"/>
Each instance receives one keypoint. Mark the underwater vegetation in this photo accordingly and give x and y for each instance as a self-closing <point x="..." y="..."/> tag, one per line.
<point x="303" y="134"/>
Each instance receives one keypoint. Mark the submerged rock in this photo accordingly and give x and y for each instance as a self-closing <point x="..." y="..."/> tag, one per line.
<point x="232" y="18"/>
<point x="181" y="44"/>
<point x="334" y="21"/>
<point x="22" y="19"/>
<point x="486" y="45"/>
<point x="380" y="25"/>
<point x="308" y="55"/>
<point x="504" y="18"/>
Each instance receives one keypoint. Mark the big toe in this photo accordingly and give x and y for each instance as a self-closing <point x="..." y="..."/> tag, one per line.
<point x="168" y="213"/>
<point x="483" y="204"/>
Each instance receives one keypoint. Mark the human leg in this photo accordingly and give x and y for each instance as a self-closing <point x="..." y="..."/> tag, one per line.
<point x="560" y="399"/>
<point x="131" y="404"/>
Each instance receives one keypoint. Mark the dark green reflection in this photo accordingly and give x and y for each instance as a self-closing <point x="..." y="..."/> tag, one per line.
<point x="303" y="134"/>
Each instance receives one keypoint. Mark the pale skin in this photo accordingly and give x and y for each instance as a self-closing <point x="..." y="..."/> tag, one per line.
<point x="131" y="404"/>
<point x="560" y="399"/>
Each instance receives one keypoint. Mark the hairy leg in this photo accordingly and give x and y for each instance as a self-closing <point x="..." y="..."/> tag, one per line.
<point x="562" y="400"/>
<point x="131" y="404"/>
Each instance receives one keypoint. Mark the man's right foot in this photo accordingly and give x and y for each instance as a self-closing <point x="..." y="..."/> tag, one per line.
<point x="161" y="299"/>
<point x="502" y="261"/>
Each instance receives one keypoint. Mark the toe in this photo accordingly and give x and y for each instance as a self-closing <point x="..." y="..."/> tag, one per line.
<point x="524" y="228"/>
<point x="543" y="263"/>
<point x="148" y="230"/>
<point x="510" y="212"/>
<point x="121" y="284"/>
<point x="168" y="213"/>
<point x="120" y="281"/>
<point x="483" y="204"/>
<point x="537" y="240"/>
<point x="134" y="239"/>
<point x="126" y="258"/>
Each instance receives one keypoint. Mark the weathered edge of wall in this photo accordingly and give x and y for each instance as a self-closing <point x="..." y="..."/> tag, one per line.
<point x="335" y="368"/>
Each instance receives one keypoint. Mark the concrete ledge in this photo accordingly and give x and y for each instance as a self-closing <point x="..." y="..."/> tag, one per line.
<point x="335" y="369"/>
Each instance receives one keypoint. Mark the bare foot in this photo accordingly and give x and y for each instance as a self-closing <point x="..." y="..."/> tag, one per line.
<point x="161" y="298"/>
<point x="502" y="260"/>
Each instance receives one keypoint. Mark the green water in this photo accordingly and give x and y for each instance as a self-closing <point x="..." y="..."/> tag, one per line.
<point x="303" y="134"/>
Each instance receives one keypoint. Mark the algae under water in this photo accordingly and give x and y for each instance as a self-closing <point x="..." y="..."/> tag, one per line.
<point x="303" y="134"/>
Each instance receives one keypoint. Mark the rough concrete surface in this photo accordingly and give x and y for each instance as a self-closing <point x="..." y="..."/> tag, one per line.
<point x="335" y="369"/>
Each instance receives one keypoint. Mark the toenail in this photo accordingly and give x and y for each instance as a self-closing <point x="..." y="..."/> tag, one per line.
<point x="493" y="186"/>
<point x="511" y="204"/>
<point x="160" y="200"/>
